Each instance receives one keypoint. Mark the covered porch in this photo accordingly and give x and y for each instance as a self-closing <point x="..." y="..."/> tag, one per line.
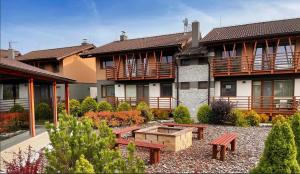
<point x="25" y="85"/>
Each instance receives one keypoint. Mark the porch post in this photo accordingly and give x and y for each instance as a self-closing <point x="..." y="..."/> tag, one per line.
<point x="31" y="107"/>
<point x="54" y="101"/>
<point x="67" y="97"/>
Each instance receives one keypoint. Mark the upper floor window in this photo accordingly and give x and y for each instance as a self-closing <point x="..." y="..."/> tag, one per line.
<point x="55" y="67"/>
<point x="185" y="62"/>
<point x="167" y="59"/>
<point x="106" y="63"/>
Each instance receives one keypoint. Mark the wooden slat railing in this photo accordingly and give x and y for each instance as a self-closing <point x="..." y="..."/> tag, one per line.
<point x="141" y="71"/>
<point x="264" y="104"/>
<point x="258" y="64"/>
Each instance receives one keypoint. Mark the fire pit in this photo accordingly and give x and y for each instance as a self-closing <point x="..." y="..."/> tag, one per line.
<point x="174" y="138"/>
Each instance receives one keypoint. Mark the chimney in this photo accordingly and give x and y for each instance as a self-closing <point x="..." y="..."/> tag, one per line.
<point x="84" y="42"/>
<point x="11" y="52"/>
<point x="123" y="36"/>
<point x="195" y="34"/>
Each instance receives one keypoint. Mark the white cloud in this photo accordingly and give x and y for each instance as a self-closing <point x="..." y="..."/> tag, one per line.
<point x="33" y="37"/>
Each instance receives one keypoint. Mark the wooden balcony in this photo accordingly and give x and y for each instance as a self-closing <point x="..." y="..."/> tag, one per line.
<point x="256" y="65"/>
<point x="163" y="103"/>
<point x="140" y="71"/>
<point x="265" y="104"/>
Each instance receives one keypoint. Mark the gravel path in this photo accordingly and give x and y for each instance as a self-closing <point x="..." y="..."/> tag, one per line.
<point x="198" y="158"/>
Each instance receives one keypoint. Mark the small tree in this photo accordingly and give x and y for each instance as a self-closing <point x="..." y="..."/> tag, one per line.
<point x="75" y="108"/>
<point x="43" y="111"/>
<point x="145" y="111"/>
<point x="104" y="106"/>
<point x="182" y="115"/>
<point x="204" y="113"/>
<point x="124" y="106"/>
<point x="279" y="154"/>
<point x="88" y="104"/>
<point x="295" y="123"/>
<point x="61" y="107"/>
<point x="220" y="111"/>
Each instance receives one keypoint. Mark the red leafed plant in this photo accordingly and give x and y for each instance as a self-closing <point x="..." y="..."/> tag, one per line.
<point x="29" y="162"/>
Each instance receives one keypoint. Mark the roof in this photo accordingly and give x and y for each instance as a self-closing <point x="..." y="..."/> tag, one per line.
<point x="56" y="53"/>
<point x="254" y="30"/>
<point x="141" y="43"/>
<point x="15" y="65"/>
<point x="4" y="53"/>
<point x="193" y="51"/>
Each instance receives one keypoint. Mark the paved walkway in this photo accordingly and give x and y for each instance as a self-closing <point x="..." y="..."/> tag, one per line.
<point x="37" y="143"/>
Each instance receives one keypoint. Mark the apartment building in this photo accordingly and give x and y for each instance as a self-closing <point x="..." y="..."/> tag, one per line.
<point x="257" y="66"/>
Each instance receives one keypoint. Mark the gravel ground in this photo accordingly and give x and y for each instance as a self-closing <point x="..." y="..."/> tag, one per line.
<point x="198" y="158"/>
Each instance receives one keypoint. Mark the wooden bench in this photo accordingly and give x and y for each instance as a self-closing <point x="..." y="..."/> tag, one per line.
<point x="200" y="128"/>
<point x="131" y="129"/>
<point x="223" y="141"/>
<point x="154" y="148"/>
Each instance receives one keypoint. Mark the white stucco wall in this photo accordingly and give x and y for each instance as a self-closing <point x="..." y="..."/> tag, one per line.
<point x="297" y="87"/>
<point x="217" y="88"/>
<point x="154" y="90"/>
<point x="119" y="90"/>
<point x="243" y="87"/>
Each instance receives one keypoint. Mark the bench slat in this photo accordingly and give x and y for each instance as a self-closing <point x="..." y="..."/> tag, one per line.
<point x="141" y="144"/>
<point x="186" y="125"/>
<point x="126" y="130"/>
<point x="224" y="139"/>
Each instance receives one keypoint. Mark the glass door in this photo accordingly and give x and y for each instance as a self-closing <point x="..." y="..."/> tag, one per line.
<point x="142" y="93"/>
<point x="267" y="94"/>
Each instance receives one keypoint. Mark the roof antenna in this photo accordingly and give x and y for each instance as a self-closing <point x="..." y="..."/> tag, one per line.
<point x="185" y="25"/>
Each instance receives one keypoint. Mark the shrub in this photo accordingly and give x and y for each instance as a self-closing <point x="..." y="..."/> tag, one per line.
<point x="220" y="111"/>
<point x="279" y="154"/>
<point x="263" y="118"/>
<point x="160" y="114"/>
<point x="75" y="108"/>
<point x="252" y="118"/>
<point x="203" y="114"/>
<point x="295" y="123"/>
<point x="61" y="107"/>
<point x="145" y="111"/>
<point x="74" y="138"/>
<point x="237" y="118"/>
<point x="43" y="111"/>
<point x="124" y="106"/>
<point x="84" y="166"/>
<point x="88" y="104"/>
<point x="17" y="108"/>
<point x="278" y="118"/>
<point x="104" y="106"/>
<point x="182" y="115"/>
<point x="29" y="162"/>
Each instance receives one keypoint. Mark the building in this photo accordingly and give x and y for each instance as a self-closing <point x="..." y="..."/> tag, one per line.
<point x="67" y="62"/>
<point x="257" y="66"/>
<point x="141" y="69"/>
<point x="7" y="53"/>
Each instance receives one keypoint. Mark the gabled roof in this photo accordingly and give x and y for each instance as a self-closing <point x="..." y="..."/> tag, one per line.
<point x="254" y="30"/>
<point x="4" y="53"/>
<point x="15" y="65"/>
<point x="56" y="53"/>
<point x="168" y="40"/>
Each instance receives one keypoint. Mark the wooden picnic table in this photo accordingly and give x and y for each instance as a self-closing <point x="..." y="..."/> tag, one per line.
<point x="200" y="128"/>
<point x="125" y="130"/>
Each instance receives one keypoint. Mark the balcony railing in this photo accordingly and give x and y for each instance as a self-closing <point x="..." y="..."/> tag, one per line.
<point x="257" y="64"/>
<point x="140" y="71"/>
<point x="264" y="104"/>
<point x="166" y="103"/>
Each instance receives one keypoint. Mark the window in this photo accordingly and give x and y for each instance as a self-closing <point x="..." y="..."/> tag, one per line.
<point x="185" y="62"/>
<point x="10" y="91"/>
<point x="106" y="63"/>
<point x="167" y="59"/>
<point x="203" y="85"/>
<point x="107" y="91"/>
<point x="203" y="61"/>
<point x="166" y="89"/>
<point x="184" y="85"/>
<point x="283" y="88"/>
<point x="55" y="67"/>
<point x="228" y="88"/>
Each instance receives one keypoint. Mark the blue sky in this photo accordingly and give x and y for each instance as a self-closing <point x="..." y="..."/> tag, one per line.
<point x="43" y="24"/>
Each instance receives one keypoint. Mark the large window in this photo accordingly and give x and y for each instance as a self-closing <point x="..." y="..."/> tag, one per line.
<point x="166" y="90"/>
<point x="107" y="91"/>
<point x="283" y="88"/>
<point x="167" y="59"/>
<point x="10" y="91"/>
<point x="203" y="85"/>
<point x="185" y="85"/>
<point x="106" y="63"/>
<point x="228" y="88"/>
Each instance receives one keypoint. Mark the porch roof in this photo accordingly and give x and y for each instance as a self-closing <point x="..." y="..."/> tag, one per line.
<point x="14" y="67"/>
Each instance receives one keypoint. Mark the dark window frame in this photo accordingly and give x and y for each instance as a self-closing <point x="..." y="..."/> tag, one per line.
<point x="104" y="91"/>
<point x="187" y="62"/>
<point x="162" y="94"/>
<point x="203" y="85"/>
<point x="227" y="93"/>
<point x="13" y="90"/>
<point x="103" y="63"/>
<point x="182" y="87"/>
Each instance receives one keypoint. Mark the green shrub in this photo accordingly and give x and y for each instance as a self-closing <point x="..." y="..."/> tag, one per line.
<point x="220" y="111"/>
<point x="204" y="113"/>
<point x="295" y="123"/>
<point x="237" y="118"/>
<point x="75" y="108"/>
<point x="124" y="106"/>
<point x="17" y="108"/>
<point x="252" y="118"/>
<point x="84" y="166"/>
<point x="182" y="115"/>
<point x="74" y="138"/>
<point x="104" y="106"/>
<point x="61" y="107"/>
<point x="43" y="111"/>
<point x="279" y="154"/>
<point x="278" y="118"/>
<point x="88" y="104"/>
<point x="145" y="111"/>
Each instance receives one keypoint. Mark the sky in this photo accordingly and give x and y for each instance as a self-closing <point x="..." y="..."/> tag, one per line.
<point x="44" y="24"/>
